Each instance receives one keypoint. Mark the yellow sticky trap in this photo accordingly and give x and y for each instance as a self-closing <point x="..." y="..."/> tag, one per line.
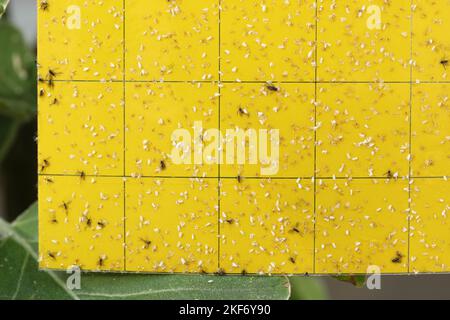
<point x="172" y="40"/>
<point x="430" y="133"/>
<point x="84" y="121"/>
<point x="430" y="41"/>
<point x="268" y="40"/>
<point x="364" y="130"/>
<point x="267" y="226"/>
<point x="289" y="110"/>
<point x="82" y="39"/>
<point x="364" y="41"/>
<point x="155" y="111"/>
<point x="429" y="226"/>
<point x="244" y="137"/>
<point x="356" y="229"/>
<point x="172" y="225"/>
<point x="81" y="222"/>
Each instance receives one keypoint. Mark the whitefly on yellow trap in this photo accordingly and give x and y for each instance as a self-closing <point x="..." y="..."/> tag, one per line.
<point x="244" y="136"/>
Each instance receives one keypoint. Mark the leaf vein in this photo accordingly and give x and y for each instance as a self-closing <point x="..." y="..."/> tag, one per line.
<point x="22" y="271"/>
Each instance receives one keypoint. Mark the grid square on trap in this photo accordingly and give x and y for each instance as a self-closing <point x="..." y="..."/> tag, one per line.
<point x="357" y="89"/>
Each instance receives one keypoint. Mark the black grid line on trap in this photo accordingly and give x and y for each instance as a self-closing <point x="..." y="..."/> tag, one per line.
<point x="410" y="134"/>
<point x="124" y="40"/>
<point x="252" y="81"/>
<point x="219" y="185"/>
<point x="318" y="178"/>
<point x="316" y="39"/>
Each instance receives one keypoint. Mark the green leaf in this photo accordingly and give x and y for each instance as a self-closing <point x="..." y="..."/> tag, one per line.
<point x="20" y="278"/>
<point x="8" y="132"/>
<point x="183" y="287"/>
<point x="3" y="5"/>
<point x="307" y="288"/>
<point x="357" y="281"/>
<point x="17" y="75"/>
<point x="26" y="226"/>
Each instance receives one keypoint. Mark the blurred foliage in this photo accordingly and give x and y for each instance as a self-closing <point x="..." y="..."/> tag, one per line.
<point x="18" y="100"/>
<point x="17" y="75"/>
<point x="308" y="288"/>
<point x="358" y="281"/>
<point x="8" y="132"/>
<point x="3" y="4"/>
<point x="17" y="85"/>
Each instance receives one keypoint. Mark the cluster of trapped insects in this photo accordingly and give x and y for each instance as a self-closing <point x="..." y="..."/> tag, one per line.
<point x="363" y="149"/>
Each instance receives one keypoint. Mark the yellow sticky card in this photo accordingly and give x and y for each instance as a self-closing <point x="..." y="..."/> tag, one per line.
<point x="244" y="136"/>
